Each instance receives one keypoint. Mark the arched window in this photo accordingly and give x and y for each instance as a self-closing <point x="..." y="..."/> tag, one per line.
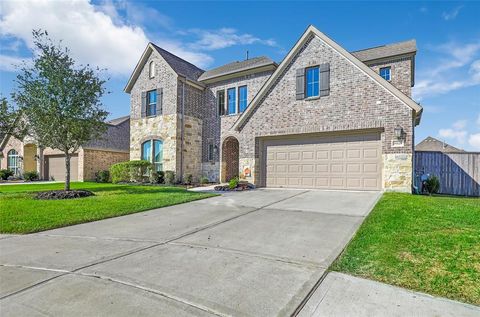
<point x="152" y="151"/>
<point x="12" y="161"/>
<point x="151" y="69"/>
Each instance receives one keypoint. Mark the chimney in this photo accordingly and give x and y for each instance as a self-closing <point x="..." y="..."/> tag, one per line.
<point x="246" y="56"/>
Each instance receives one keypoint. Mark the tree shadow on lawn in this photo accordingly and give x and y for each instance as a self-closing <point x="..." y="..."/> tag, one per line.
<point x="139" y="189"/>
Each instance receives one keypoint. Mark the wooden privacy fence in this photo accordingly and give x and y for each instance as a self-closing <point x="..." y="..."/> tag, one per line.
<point x="459" y="173"/>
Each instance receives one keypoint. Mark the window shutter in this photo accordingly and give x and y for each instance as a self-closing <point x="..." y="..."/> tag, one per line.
<point x="325" y="79"/>
<point x="144" y="104"/>
<point x="300" y="83"/>
<point x="159" y="101"/>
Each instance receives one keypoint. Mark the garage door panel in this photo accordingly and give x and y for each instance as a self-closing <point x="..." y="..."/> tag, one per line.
<point x="56" y="168"/>
<point x="337" y="162"/>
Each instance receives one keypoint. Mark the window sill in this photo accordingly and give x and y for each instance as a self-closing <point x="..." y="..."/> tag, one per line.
<point x="230" y="115"/>
<point x="312" y="98"/>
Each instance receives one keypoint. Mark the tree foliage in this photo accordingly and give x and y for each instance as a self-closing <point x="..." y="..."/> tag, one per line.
<point x="60" y="99"/>
<point x="11" y="122"/>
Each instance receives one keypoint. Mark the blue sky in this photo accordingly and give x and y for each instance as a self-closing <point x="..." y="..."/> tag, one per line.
<point x="113" y="34"/>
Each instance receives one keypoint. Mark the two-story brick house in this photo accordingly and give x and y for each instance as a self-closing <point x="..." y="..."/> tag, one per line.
<point x="322" y="118"/>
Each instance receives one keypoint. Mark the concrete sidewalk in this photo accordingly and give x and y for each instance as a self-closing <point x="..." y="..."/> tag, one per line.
<point x="344" y="295"/>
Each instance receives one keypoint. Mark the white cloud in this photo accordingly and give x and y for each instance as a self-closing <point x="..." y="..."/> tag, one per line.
<point x="9" y="63"/>
<point x="474" y="141"/>
<point x="460" y="124"/>
<point x="451" y="15"/>
<point x="91" y="34"/>
<point x="225" y="37"/>
<point x="457" y="135"/>
<point x="457" y="67"/>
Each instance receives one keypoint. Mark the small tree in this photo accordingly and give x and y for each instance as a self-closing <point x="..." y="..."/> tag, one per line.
<point x="60" y="99"/>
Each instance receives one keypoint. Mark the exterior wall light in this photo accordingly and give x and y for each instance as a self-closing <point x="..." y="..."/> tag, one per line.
<point x="398" y="132"/>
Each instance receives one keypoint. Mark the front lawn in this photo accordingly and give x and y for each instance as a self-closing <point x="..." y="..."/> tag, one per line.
<point x="429" y="244"/>
<point x="21" y="213"/>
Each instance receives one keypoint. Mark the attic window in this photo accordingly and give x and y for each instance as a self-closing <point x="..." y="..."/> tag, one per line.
<point x="151" y="70"/>
<point x="385" y="73"/>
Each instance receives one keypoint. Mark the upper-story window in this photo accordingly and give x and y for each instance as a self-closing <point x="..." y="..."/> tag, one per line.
<point x="312" y="82"/>
<point x="242" y="98"/>
<point x="232" y="101"/>
<point x="385" y="72"/>
<point x="151" y="69"/>
<point x="151" y="103"/>
<point x="221" y="102"/>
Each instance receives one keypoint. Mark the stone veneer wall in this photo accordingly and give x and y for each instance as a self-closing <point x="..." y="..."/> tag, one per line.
<point x="192" y="147"/>
<point x="356" y="102"/>
<point x="97" y="160"/>
<point x="161" y="127"/>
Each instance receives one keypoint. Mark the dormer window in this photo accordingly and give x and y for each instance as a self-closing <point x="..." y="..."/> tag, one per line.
<point x="151" y="70"/>
<point x="385" y="73"/>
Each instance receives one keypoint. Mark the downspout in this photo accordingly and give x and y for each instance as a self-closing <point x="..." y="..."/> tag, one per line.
<point x="182" y="128"/>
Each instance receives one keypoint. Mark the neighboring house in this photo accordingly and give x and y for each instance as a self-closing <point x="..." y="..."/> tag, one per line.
<point x="322" y="118"/>
<point x="113" y="147"/>
<point x="430" y="144"/>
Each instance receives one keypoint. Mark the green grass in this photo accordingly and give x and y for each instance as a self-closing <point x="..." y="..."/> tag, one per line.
<point x="429" y="244"/>
<point x="21" y="213"/>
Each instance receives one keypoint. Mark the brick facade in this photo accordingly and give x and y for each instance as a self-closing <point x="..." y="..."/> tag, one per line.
<point x="92" y="161"/>
<point x="356" y="102"/>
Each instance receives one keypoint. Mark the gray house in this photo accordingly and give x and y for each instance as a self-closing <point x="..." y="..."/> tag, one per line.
<point x="322" y="118"/>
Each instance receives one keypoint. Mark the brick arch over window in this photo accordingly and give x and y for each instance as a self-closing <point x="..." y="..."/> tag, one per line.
<point x="230" y="158"/>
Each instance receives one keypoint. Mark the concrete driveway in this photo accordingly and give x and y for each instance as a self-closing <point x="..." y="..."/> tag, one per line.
<point x="258" y="253"/>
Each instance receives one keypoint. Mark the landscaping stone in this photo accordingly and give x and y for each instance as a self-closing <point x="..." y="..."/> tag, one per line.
<point x="240" y="187"/>
<point x="64" y="194"/>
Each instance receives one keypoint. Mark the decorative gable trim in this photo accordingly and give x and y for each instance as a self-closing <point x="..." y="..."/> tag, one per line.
<point x="307" y="35"/>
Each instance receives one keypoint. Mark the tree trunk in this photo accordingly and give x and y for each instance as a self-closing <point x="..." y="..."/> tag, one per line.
<point x="67" y="174"/>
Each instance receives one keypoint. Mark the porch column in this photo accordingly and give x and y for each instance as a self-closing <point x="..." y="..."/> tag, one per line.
<point x="40" y="163"/>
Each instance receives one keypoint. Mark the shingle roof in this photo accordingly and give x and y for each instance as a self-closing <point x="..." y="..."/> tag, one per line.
<point x="237" y="66"/>
<point x="388" y="50"/>
<point x="179" y="65"/>
<point x="119" y="120"/>
<point x="431" y="144"/>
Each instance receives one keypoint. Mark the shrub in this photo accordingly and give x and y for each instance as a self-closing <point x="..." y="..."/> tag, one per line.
<point x="204" y="180"/>
<point x="169" y="177"/>
<point x="233" y="183"/>
<point x="5" y="174"/>
<point x="157" y="177"/>
<point x="102" y="176"/>
<point x="30" y="176"/>
<point x="131" y="171"/>
<point x="189" y="179"/>
<point x="432" y="184"/>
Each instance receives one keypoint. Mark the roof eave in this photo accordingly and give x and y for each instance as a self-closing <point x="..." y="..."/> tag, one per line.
<point x="238" y="73"/>
<point x="311" y="30"/>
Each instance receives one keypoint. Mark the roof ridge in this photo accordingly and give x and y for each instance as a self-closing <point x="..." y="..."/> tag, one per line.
<point x="384" y="45"/>
<point x="176" y="56"/>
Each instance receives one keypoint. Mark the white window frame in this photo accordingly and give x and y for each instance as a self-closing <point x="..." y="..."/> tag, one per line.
<point x="151" y="69"/>
<point x="16" y="158"/>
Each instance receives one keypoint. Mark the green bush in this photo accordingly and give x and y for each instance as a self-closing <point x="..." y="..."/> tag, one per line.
<point x="432" y="184"/>
<point x="102" y="176"/>
<point x="5" y="174"/>
<point x="131" y="171"/>
<point x="233" y="183"/>
<point x="189" y="179"/>
<point x="30" y="176"/>
<point x="204" y="180"/>
<point x="157" y="177"/>
<point x="169" y="177"/>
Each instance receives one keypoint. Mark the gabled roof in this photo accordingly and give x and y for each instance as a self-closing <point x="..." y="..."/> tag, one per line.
<point x="430" y="144"/>
<point x="236" y="67"/>
<point x="311" y="30"/>
<point x="119" y="120"/>
<point x="177" y="64"/>
<point x="384" y="51"/>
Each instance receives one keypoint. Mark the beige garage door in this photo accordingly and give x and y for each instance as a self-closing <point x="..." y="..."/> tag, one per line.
<point x="334" y="162"/>
<point x="56" y="168"/>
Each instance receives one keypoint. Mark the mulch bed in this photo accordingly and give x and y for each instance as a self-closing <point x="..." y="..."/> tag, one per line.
<point x="62" y="194"/>
<point x="240" y="187"/>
